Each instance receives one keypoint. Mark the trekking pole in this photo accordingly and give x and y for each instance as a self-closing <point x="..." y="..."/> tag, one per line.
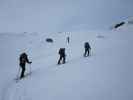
<point x="18" y="72"/>
<point x="30" y="68"/>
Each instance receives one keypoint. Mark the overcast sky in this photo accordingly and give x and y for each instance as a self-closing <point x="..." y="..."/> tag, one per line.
<point x="61" y="15"/>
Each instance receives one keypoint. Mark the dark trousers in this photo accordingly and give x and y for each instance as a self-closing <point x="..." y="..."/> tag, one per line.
<point x="62" y="58"/>
<point x="68" y="41"/>
<point x="23" y="70"/>
<point x="87" y="52"/>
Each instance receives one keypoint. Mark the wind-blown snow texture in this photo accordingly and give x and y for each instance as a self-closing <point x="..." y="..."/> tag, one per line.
<point x="105" y="75"/>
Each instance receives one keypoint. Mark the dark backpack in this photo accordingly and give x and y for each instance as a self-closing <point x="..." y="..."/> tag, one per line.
<point x="87" y="45"/>
<point x="23" y="58"/>
<point x="62" y="51"/>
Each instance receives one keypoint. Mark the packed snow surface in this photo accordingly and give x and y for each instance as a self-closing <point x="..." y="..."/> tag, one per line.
<point x="105" y="75"/>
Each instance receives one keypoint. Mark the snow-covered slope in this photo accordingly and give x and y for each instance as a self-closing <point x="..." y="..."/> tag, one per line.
<point x="105" y="75"/>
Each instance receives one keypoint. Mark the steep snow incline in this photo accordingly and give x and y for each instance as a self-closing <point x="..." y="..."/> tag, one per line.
<point x="105" y="75"/>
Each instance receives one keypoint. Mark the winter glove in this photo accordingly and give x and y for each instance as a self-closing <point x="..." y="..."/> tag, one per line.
<point x="30" y="62"/>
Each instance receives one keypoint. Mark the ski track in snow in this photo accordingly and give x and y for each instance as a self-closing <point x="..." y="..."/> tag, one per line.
<point x="8" y="89"/>
<point x="19" y="91"/>
<point x="12" y="88"/>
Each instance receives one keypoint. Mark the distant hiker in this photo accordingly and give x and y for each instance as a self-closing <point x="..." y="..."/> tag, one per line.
<point x="23" y="60"/>
<point x="62" y="56"/>
<point x="68" y="39"/>
<point x="87" y="49"/>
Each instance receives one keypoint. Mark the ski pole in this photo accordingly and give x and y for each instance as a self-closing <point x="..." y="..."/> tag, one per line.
<point x="18" y="72"/>
<point x="30" y="69"/>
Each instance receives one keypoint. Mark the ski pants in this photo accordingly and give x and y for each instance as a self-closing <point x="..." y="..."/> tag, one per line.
<point x="63" y="58"/>
<point x="87" y="52"/>
<point x="23" y="70"/>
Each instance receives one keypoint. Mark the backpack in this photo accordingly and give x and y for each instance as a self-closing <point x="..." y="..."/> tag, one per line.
<point x="87" y="45"/>
<point x="62" y="51"/>
<point x="23" y="58"/>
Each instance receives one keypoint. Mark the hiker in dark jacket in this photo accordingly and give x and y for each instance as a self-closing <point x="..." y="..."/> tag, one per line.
<point x="68" y="39"/>
<point x="23" y="60"/>
<point x="62" y="56"/>
<point x="87" y="49"/>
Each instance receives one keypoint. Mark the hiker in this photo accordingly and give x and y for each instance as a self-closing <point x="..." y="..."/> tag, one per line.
<point x="62" y="56"/>
<point x="23" y="60"/>
<point x="87" y="49"/>
<point x="68" y="39"/>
